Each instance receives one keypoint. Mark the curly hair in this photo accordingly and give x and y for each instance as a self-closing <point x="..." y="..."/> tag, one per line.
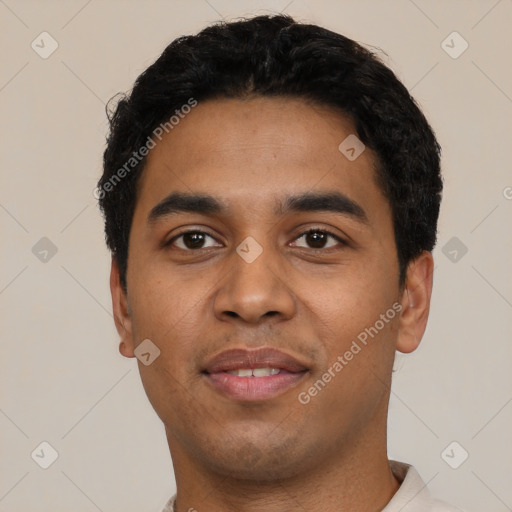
<point x="274" y="56"/>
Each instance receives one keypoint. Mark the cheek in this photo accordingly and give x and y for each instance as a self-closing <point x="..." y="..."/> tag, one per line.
<point x="356" y="320"/>
<point x="166" y="308"/>
<point x="352" y="299"/>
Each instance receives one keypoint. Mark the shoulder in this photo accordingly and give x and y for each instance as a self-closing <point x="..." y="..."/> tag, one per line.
<point x="169" y="506"/>
<point x="413" y="494"/>
<point x="441" y="506"/>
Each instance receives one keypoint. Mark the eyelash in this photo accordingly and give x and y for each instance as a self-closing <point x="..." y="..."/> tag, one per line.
<point x="307" y="232"/>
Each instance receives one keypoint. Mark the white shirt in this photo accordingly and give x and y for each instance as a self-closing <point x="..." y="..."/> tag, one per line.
<point x="412" y="496"/>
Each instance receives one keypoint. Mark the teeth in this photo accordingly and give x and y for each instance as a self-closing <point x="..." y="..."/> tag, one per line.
<point x="257" y="372"/>
<point x="265" y="372"/>
<point x="244" y="372"/>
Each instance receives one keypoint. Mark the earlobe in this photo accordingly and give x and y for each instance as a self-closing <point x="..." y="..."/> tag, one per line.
<point x="121" y="311"/>
<point x="415" y="302"/>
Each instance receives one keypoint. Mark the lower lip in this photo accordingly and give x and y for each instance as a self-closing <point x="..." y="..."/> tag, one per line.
<point x="251" y="389"/>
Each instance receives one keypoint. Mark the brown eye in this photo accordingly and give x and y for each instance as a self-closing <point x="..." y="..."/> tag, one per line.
<point x="319" y="238"/>
<point x="191" y="240"/>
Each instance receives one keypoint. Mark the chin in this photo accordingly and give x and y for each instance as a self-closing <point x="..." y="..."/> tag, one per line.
<point x="259" y="462"/>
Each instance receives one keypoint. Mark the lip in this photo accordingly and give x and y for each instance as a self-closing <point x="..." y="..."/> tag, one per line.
<point x="249" y="389"/>
<point x="264" y="357"/>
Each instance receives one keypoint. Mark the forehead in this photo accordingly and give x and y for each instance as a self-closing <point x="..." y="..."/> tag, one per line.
<point x="252" y="151"/>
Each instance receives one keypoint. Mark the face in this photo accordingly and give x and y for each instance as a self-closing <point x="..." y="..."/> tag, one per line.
<point x="293" y="250"/>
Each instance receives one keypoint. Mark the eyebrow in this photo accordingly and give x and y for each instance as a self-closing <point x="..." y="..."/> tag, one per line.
<point x="335" y="202"/>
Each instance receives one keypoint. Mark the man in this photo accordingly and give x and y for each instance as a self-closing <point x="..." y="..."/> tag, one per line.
<point x="271" y="194"/>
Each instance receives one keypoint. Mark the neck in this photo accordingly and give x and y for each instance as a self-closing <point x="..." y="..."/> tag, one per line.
<point x="358" y="478"/>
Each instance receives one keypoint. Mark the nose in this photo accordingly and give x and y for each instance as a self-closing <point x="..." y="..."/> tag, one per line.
<point x="254" y="290"/>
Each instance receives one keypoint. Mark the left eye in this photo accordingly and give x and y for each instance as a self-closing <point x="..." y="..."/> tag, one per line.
<point x="317" y="239"/>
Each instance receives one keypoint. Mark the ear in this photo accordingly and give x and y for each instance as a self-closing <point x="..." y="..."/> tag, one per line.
<point x="121" y="310"/>
<point x="415" y="302"/>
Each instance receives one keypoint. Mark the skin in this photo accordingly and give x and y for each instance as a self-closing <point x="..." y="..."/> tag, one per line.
<point x="276" y="455"/>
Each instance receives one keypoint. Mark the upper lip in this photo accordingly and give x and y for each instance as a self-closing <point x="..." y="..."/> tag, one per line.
<point x="265" y="357"/>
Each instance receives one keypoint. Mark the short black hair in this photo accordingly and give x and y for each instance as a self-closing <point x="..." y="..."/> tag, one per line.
<point x="275" y="56"/>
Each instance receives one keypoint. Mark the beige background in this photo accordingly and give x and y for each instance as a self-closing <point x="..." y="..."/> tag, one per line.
<point x="62" y="379"/>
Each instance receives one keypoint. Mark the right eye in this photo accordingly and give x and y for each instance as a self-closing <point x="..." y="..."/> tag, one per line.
<point x="191" y="240"/>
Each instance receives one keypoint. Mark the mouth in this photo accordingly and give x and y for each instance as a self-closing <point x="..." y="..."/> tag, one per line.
<point x="254" y="375"/>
